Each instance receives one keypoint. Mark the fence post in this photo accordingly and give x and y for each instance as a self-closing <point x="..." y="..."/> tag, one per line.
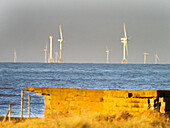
<point x="6" y="116"/>
<point x="9" y="112"/>
<point x="21" y="104"/>
<point x="29" y="109"/>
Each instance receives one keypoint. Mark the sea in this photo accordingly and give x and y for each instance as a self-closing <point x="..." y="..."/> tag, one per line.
<point x="15" y="76"/>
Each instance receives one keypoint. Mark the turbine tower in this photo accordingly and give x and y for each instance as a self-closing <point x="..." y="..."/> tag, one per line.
<point x="15" y="57"/>
<point x="51" y="59"/>
<point x="56" y="57"/>
<point x="156" y="59"/>
<point x="60" y="40"/>
<point x="145" y="54"/>
<point x="124" y="40"/>
<point x="45" y="51"/>
<point x="107" y="52"/>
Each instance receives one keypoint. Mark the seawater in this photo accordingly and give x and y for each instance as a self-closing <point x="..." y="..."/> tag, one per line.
<point x="15" y="76"/>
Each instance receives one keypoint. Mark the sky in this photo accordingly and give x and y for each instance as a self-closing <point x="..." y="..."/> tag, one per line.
<point x="89" y="26"/>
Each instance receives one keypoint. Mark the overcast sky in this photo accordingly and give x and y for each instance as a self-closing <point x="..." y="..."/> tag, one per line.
<point x="88" y="27"/>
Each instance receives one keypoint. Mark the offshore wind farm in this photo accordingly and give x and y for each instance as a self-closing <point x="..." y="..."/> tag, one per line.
<point x="59" y="59"/>
<point x="87" y="31"/>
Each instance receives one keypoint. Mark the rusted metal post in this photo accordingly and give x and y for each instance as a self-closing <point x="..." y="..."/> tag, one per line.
<point x="21" y="104"/>
<point x="9" y="112"/>
<point x="29" y="109"/>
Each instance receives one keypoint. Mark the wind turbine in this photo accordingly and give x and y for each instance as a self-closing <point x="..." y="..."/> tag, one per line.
<point x="60" y="40"/>
<point x="107" y="52"/>
<point x="15" y="57"/>
<point x="124" y="40"/>
<point x="51" y="59"/>
<point x="156" y="59"/>
<point x="45" y="51"/>
<point x="56" y="57"/>
<point x="145" y="54"/>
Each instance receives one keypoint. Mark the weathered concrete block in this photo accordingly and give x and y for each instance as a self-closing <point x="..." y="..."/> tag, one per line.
<point x="79" y="101"/>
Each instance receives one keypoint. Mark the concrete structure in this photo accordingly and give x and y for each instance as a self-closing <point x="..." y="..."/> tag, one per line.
<point x="51" y="59"/>
<point x="79" y="101"/>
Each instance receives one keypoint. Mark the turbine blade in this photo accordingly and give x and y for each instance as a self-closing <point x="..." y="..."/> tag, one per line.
<point x="46" y="46"/>
<point x="158" y="58"/>
<point x="126" y="48"/>
<point x="57" y="54"/>
<point x="61" y="35"/>
<point x="125" y="31"/>
<point x="129" y="38"/>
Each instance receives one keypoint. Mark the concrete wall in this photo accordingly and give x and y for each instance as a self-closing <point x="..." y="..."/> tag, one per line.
<point x="80" y="101"/>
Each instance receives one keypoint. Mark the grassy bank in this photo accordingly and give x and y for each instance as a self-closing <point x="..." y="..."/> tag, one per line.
<point x="146" y="119"/>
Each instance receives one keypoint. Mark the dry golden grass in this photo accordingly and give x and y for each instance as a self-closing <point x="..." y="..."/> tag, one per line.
<point x="146" y="119"/>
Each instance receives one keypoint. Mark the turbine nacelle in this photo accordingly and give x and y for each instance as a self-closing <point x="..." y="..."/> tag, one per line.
<point x="107" y="51"/>
<point x="60" y="40"/>
<point x="124" y="40"/>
